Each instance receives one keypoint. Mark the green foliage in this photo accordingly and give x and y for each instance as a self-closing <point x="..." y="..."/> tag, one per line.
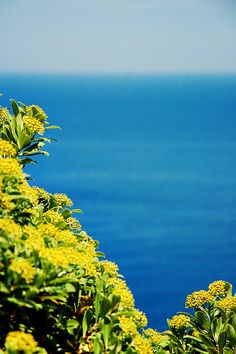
<point x="56" y="295"/>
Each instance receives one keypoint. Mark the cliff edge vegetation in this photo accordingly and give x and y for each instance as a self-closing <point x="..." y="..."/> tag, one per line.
<point x="58" y="293"/>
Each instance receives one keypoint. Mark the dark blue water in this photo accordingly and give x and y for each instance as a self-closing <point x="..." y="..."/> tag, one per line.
<point x="151" y="161"/>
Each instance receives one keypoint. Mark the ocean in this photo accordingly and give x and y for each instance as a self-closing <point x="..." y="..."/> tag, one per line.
<point x="151" y="162"/>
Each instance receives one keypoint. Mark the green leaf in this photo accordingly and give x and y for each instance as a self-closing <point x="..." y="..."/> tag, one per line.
<point x="77" y="211"/>
<point x="105" y="307"/>
<point x="86" y="321"/>
<point x="222" y="341"/>
<point x="115" y="299"/>
<point x="70" y="288"/>
<point x="227" y="351"/>
<point x="66" y="213"/>
<point x="106" y="331"/>
<point x="71" y="325"/>
<point x="97" y="347"/>
<point x="203" y="319"/>
<point x="53" y="127"/>
<point x="25" y="303"/>
<point x="61" y="225"/>
<point x="15" y="107"/>
<point x="216" y="328"/>
<point x="27" y="160"/>
<point x="100" y="254"/>
<point x="24" y="140"/>
<point x="233" y="321"/>
<point x="193" y="338"/>
<point x="179" y="351"/>
<point x="3" y="288"/>
<point x="206" y="340"/>
<point x="231" y="335"/>
<point x="97" y="306"/>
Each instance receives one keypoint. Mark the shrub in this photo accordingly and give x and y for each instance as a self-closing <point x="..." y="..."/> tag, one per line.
<point x="57" y="295"/>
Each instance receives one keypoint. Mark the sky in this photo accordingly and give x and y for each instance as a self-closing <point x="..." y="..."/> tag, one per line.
<point x="156" y="36"/>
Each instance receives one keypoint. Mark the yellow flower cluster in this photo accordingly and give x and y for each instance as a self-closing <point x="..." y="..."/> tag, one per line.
<point x="228" y="303"/>
<point x="66" y="256"/>
<point x="25" y="189"/>
<point x="54" y="216"/>
<point x="6" y="202"/>
<point x="56" y="256"/>
<point x="199" y="298"/>
<point x="128" y="326"/>
<point x="8" y="226"/>
<point x="33" y="124"/>
<point x="140" y="318"/>
<point x="6" y="148"/>
<point x="217" y="288"/>
<point x="33" y="241"/>
<point x="24" y="268"/>
<point x="110" y="267"/>
<point x="155" y="337"/>
<point x="60" y="236"/>
<point x="21" y="342"/>
<point x="38" y="109"/>
<point x="3" y="113"/>
<point x="62" y="199"/>
<point x="178" y="321"/>
<point x="142" y="345"/>
<point x="42" y="194"/>
<point x="73" y="223"/>
<point x="10" y="166"/>
<point x="122" y="290"/>
<point x="195" y="334"/>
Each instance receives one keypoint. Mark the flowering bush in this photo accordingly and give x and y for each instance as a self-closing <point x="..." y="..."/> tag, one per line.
<point x="57" y="295"/>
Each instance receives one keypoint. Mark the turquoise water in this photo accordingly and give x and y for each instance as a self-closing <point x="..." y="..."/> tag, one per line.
<point x="151" y="161"/>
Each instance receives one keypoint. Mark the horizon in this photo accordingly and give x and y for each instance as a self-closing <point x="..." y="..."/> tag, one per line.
<point x="122" y="73"/>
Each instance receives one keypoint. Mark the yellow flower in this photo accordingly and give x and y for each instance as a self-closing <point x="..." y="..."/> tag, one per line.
<point x="155" y="337"/>
<point x="34" y="240"/>
<point x="178" y="321"/>
<point x="195" y="334"/>
<point x="199" y="298"/>
<point x="8" y="226"/>
<point x="60" y="236"/>
<point x="217" y="288"/>
<point x="19" y="342"/>
<point x="227" y="304"/>
<point x="54" y="216"/>
<point x="73" y="223"/>
<point x="3" y="113"/>
<point x="6" y="202"/>
<point x="65" y="256"/>
<point x="6" y="148"/>
<point x="55" y="256"/>
<point x="33" y="124"/>
<point x="24" y="269"/>
<point x="10" y="166"/>
<point x="110" y="267"/>
<point x="122" y="290"/>
<point x="62" y="199"/>
<point x="140" y="318"/>
<point x="142" y="345"/>
<point x="25" y="189"/>
<point x="42" y="194"/>
<point x="128" y="326"/>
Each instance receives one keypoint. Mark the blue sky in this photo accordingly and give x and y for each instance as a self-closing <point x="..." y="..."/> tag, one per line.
<point x="118" y="36"/>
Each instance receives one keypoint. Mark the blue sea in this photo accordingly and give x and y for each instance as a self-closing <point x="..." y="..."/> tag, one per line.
<point x="151" y="160"/>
